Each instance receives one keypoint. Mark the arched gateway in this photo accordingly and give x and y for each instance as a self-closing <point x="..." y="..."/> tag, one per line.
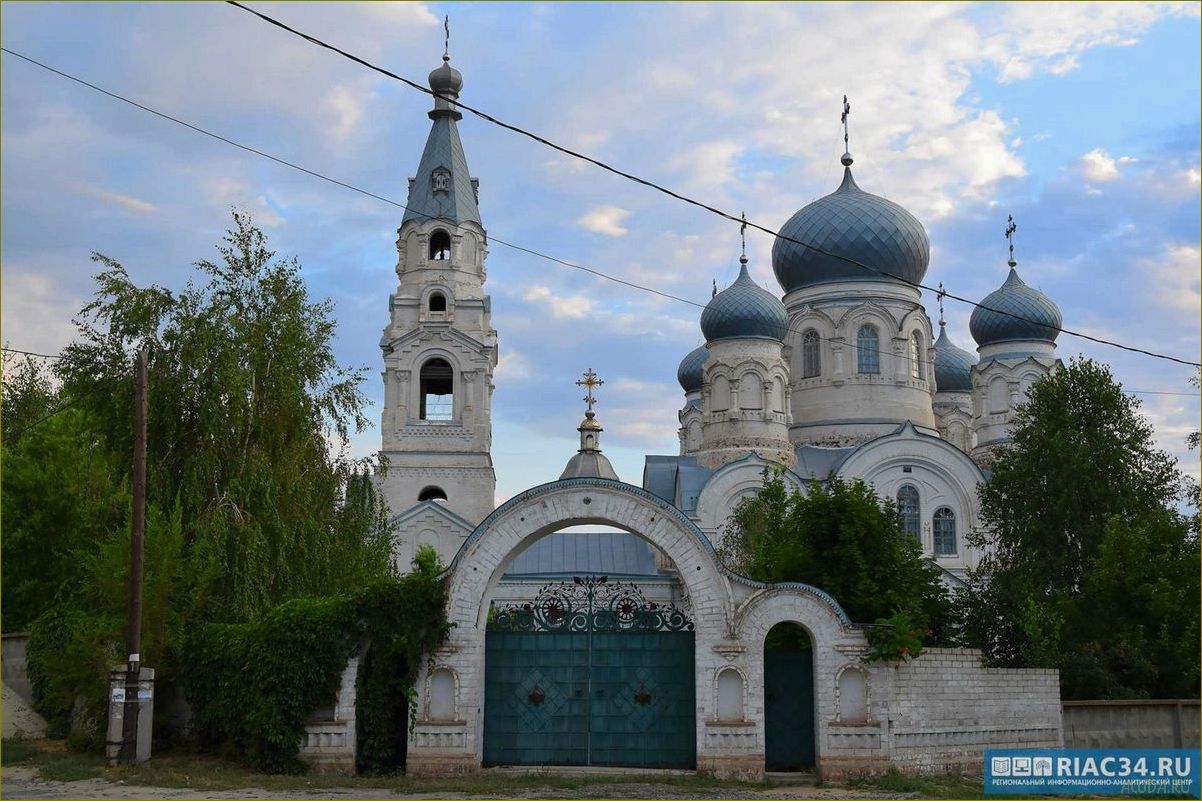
<point x="459" y="727"/>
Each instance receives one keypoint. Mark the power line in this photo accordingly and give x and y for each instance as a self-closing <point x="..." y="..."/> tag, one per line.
<point x="402" y="206"/>
<point x="31" y="353"/>
<point x="684" y="198"/>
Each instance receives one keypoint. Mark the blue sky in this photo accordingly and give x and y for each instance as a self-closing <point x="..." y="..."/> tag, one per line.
<point x="1081" y="120"/>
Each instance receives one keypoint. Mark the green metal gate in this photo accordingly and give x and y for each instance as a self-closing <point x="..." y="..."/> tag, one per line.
<point x="589" y="673"/>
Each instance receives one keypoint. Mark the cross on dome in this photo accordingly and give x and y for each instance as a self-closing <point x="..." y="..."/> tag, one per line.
<point x="1010" y="229"/>
<point x="589" y="381"/>
<point x="846" y="160"/>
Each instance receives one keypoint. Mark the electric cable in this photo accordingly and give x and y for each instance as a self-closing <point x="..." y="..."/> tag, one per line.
<point x="684" y="198"/>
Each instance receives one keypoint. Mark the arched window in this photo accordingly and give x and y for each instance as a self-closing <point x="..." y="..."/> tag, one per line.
<point x="915" y="351"/>
<point x="868" y="350"/>
<point x="432" y="493"/>
<point x="853" y="695"/>
<point x="999" y="395"/>
<point x="907" y="505"/>
<point x="438" y="302"/>
<point x="944" y="530"/>
<point x="440" y="246"/>
<point x="730" y="695"/>
<point x="720" y="394"/>
<point x="442" y="695"/>
<point x="437" y="390"/>
<point x="811" y="357"/>
<point x="751" y="392"/>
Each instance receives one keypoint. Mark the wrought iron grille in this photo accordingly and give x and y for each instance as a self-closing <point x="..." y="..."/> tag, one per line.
<point x="589" y="603"/>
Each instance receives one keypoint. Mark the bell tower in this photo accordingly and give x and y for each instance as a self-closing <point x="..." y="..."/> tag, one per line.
<point x="439" y="346"/>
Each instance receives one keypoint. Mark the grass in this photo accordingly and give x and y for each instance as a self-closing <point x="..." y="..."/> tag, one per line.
<point x="926" y="786"/>
<point x="210" y="773"/>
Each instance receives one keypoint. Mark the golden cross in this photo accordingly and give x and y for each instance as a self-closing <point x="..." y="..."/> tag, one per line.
<point x="589" y="381"/>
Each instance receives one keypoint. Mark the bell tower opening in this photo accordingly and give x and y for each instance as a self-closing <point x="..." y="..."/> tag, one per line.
<point x="440" y="246"/>
<point x="438" y="302"/>
<point x="437" y="391"/>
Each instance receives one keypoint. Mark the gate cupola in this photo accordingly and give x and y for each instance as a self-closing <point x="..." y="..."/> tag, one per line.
<point x="589" y="461"/>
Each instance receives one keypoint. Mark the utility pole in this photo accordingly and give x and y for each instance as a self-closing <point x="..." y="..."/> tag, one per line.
<point x="131" y="701"/>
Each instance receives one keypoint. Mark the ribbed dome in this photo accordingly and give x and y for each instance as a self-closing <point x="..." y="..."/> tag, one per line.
<point x="854" y="224"/>
<point x="744" y="309"/>
<point x="952" y="365"/>
<point x="689" y="374"/>
<point x="1031" y="314"/>
<point x="446" y="80"/>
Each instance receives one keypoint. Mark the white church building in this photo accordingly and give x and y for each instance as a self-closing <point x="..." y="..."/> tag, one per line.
<point x="625" y="641"/>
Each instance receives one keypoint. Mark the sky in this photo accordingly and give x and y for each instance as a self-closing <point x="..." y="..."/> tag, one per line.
<point x="1081" y="120"/>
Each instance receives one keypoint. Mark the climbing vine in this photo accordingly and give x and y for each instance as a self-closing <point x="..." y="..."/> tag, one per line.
<point x="252" y="685"/>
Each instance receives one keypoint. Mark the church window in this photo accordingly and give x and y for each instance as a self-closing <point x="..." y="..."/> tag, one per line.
<point x="437" y="390"/>
<point x="868" y="350"/>
<point x="440" y="246"/>
<point x="720" y="395"/>
<point x="751" y="392"/>
<point x="999" y="396"/>
<point x="432" y="493"/>
<point x="944" y="529"/>
<point x="811" y="358"/>
<point x="915" y="351"/>
<point x="438" y="302"/>
<point x="907" y="505"/>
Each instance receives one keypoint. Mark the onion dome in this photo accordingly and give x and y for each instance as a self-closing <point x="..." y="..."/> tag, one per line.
<point x="853" y="224"/>
<point x="952" y="365"/>
<point x="689" y="374"/>
<point x="446" y="80"/>
<point x="1015" y="311"/>
<point x="744" y="309"/>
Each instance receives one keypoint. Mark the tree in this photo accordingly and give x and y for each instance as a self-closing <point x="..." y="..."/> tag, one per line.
<point x="842" y="538"/>
<point x="245" y="398"/>
<point x="1092" y="567"/>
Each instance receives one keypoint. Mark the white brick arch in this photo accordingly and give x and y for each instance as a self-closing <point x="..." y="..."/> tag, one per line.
<point x="487" y="553"/>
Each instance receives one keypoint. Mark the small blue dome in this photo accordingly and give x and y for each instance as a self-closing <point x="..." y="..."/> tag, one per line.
<point x="744" y="309"/>
<point x="689" y="374"/>
<point x="952" y="365"/>
<point x="1015" y="311"/>
<point x="855" y="225"/>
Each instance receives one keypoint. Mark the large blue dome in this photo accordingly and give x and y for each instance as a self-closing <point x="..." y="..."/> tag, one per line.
<point x="854" y="224"/>
<point x="953" y="365"/>
<point x="744" y="309"/>
<point x="689" y="374"/>
<point x="1015" y="311"/>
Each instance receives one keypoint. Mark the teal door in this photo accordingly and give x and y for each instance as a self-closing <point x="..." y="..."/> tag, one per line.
<point x="788" y="710"/>
<point x="594" y="675"/>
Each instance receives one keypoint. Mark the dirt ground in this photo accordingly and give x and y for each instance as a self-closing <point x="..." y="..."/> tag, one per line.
<point x="23" y="782"/>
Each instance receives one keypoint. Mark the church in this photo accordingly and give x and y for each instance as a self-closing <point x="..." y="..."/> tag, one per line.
<point x="593" y="622"/>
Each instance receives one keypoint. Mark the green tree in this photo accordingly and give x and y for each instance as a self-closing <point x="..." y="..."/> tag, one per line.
<point x="1092" y="566"/>
<point x="245" y="399"/>
<point x="842" y="538"/>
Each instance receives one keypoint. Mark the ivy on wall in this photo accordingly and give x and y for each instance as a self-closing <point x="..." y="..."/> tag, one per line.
<point x="252" y="685"/>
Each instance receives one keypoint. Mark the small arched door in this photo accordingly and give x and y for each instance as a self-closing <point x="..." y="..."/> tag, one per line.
<point x="788" y="699"/>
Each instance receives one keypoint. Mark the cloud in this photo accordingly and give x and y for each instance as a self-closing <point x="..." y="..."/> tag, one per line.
<point x="1175" y="280"/>
<point x="123" y="200"/>
<point x="1098" y="165"/>
<point x="573" y="307"/>
<point x="37" y="310"/>
<point x="605" y="220"/>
